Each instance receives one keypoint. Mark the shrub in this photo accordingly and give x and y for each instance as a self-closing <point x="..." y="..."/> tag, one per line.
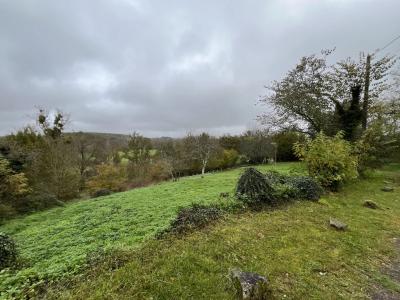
<point x="101" y="192"/>
<point x="253" y="188"/>
<point x="6" y="212"/>
<point x="160" y="170"/>
<point x="300" y="187"/>
<point x="275" y="177"/>
<point x="375" y="147"/>
<point x="305" y="187"/>
<point x="8" y="251"/>
<point x="194" y="217"/>
<point x="285" y="141"/>
<point x="330" y="160"/>
<point x="108" y="176"/>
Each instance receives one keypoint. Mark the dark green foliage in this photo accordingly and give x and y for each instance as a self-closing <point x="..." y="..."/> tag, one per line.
<point x="8" y="251"/>
<point x="305" y="187"/>
<point x="256" y="146"/>
<point x="195" y="216"/>
<point x="39" y="201"/>
<point x="349" y="116"/>
<point x="295" y="187"/>
<point x="275" y="177"/>
<point x="102" y="192"/>
<point x="253" y="188"/>
<point x="284" y="141"/>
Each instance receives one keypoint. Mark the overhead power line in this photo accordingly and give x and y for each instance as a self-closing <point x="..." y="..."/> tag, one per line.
<point x="388" y="44"/>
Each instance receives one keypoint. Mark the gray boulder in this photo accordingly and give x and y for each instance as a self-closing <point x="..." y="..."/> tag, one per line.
<point x="250" y="286"/>
<point x="387" y="189"/>
<point x="370" y="204"/>
<point x="338" y="225"/>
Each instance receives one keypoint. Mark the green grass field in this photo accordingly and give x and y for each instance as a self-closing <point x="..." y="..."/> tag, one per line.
<point x="292" y="245"/>
<point x="55" y="243"/>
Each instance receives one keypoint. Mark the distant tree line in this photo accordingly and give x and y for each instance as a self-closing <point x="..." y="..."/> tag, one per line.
<point x="42" y="166"/>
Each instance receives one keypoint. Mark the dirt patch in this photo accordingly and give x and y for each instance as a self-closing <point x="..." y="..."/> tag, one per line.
<point x="393" y="271"/>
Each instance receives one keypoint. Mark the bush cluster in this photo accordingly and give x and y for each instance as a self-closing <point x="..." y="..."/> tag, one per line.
<point x="8" y="251"/>
<point x="101" y="193"/>
<point x="294" y="187"/>
<point x="195" y="216"/>
<point x="330" y="160"/>
<point x="254" y="188"/>
<point x="305" y="187"/>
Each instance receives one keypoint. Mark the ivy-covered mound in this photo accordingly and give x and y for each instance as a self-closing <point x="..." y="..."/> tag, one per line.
<point x="294" y="187"/>
<point x="193" y="217"/>
<point x="254" y="188"/>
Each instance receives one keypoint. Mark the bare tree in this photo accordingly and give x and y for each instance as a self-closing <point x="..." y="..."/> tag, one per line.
<point x="200" y="148"/>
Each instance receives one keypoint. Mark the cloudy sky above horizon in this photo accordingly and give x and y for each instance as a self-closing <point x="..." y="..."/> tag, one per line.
<point x="164" y="68"/>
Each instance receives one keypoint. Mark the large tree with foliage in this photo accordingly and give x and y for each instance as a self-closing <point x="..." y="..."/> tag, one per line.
<point x="257" y="146"/>
<point x="315" y="95"/>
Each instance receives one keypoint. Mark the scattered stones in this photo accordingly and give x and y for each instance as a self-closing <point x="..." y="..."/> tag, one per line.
<point x="337" y="224"/>
<point x="370" y="204"/>
<point x="387" y="189"/>
<point x="250" y="286"/>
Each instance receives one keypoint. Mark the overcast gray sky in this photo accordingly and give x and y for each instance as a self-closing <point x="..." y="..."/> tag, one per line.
<point x="167" y="67"/>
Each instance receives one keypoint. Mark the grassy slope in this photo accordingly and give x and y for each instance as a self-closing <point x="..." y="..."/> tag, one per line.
<point x="302" y="256"/>
<point x="55" y="243"/>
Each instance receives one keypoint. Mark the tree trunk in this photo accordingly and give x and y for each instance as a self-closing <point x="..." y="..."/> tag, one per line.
<point x="203" y="169"/>
<point x="366" y="92"/>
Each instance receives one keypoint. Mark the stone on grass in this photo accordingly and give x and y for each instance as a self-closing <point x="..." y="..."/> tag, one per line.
<point x="250" y="286"/>
<point x="370" y="204"/>
<point x="339" y="225"/>
<point x="387" y="189"/>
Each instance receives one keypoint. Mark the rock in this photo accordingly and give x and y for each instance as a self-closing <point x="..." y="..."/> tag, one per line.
<point x="370" y="204"/>
<point x="224" y="195"/>
<point x="337" y="224"/>
<point x="387" y="189"/>
<point x="250" y="286"/>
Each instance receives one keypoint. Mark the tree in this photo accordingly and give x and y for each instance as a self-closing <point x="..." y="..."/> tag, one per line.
<point x="285" y="141"/>
<point x="108" y="176"/>
<point x="199" y="149"/>
<point x="257" y="146"/>
<point x="230" y="142"/>
<point x="350" y="116"/>
<point x="52" y="129"/>
<point x="13" y="187"/>
<point x="138" y="154"/>
<point x="85" y="148"/>
<point x="309" y="97"/>
<point x="170" y="153"/>
<point x="56" y="170"/>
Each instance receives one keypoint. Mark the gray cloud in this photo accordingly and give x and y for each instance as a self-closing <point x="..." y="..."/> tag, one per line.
<point x="167" y="67"/>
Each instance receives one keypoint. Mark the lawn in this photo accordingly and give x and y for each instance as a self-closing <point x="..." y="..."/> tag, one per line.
<point x="294" y="246"/>
<point x="54" y="244"/>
